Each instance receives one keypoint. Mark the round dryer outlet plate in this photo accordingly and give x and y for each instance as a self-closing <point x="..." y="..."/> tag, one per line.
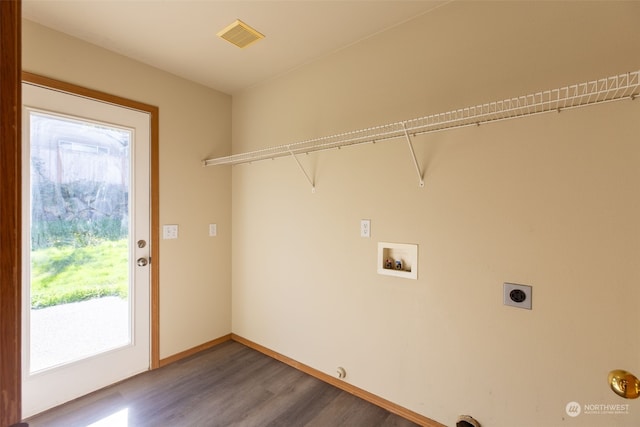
<point x="517" y="295"/>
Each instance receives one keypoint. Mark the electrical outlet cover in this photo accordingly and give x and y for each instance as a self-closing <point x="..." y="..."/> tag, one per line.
<point x="365" y="228"/>
<point x="517" y="295"/>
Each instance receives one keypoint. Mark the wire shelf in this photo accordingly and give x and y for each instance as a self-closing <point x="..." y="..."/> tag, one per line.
<point x="623" y="86"/>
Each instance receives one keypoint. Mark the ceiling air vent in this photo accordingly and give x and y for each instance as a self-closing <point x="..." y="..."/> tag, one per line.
<point x="240" y="34"/>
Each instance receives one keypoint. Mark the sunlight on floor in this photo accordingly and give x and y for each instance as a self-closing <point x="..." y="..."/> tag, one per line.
<point x="119" y="419"/>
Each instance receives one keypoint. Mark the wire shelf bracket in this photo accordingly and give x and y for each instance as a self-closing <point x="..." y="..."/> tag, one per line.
<point x="608" y="89"/>
<point x="313" y="185"/>
<point x="413" y="156"/>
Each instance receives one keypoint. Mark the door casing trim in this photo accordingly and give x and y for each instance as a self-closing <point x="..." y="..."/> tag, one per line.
<point x="10" y="212"/>
<point x="154" y="178"/>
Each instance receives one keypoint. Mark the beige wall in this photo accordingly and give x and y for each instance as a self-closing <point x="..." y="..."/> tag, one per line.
<point x="551" y="201"/>
<point x="195" y="122"/>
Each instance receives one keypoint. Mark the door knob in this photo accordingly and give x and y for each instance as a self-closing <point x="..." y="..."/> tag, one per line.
<point x="142" y="262"/>
<point x="624" y="384"/>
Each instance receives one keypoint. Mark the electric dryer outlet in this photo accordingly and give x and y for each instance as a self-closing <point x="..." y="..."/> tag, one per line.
<point x="517" y="295"/>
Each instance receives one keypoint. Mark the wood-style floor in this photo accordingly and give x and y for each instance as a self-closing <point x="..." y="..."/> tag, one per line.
<point x="228" y="385"/>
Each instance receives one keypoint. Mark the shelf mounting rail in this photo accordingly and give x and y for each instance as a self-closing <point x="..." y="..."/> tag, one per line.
<point x="608" y="89"/>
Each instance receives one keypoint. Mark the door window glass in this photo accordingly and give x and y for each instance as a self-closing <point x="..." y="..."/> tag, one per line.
<point x="79" y="239"/>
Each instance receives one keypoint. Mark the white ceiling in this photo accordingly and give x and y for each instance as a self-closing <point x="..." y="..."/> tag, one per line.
<point x="179" y="36"/>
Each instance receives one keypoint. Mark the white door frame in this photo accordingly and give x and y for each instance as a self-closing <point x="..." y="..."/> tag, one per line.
<point x="154" y="202"/>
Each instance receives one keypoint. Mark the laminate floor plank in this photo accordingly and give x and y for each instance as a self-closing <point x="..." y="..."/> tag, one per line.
<point x="348" y="410"/>
<point x="301" y="407"/>
<point x="229" y="385"/>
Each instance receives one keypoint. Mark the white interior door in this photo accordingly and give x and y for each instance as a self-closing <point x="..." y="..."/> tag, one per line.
<point x="86" y="281"/>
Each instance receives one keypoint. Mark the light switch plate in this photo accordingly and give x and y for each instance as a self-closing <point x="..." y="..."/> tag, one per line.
<point x="213" y="230"/>
<point x="170" y="231"/>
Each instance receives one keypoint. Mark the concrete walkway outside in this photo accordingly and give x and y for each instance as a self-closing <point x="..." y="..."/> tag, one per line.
<point x="68" y="332"/>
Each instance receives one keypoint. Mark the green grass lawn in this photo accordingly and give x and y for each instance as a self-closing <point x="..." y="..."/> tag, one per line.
<point x="68" y="274"/>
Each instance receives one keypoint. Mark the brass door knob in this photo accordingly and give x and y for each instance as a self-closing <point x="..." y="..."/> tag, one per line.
<point x="624" y="384"/>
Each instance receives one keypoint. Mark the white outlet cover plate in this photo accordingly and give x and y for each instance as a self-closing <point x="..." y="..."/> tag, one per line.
<point x="213" y="230"/>
<point x="170" y="231"/>
<point x="365" y="228"/>
<point x="525" y="289"/>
